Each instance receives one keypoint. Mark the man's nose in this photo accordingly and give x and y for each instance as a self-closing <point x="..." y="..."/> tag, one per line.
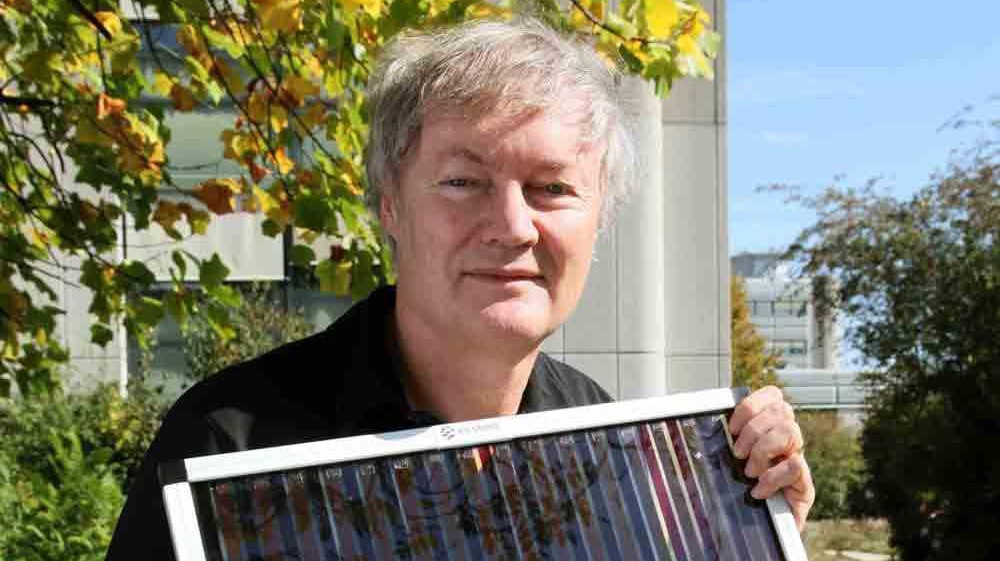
<point x="510" y="218"/>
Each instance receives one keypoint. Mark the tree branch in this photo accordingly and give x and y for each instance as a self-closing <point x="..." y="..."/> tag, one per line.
<point x="28" y="101"/>
<point x="89" y="16"/>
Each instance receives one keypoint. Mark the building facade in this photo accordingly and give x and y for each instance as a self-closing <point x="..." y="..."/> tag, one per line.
<point x="782" y="311"/>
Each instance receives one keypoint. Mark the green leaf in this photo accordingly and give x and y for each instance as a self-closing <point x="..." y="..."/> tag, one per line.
<point x="101" y="334"/>
<point x="176" y="306"/>
<point x="199" y="220"/>
<point x="634" y="64"/>
<point x="226" y="295"/>
<point x="302" y="255"/>
<point x="138" y="272"/>
<point x="179" y="262"/>
<point x="311" y="211"/>
<point x="149" y="311"/>
<point x="212" y="272"/>
<point x="270" y="228"/>
<point x="336" y="31"/>
<point x="218" y="318"/>
<point x="334" y="277"/>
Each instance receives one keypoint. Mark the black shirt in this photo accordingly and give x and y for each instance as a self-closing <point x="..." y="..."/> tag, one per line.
<point x="340" y="382"/>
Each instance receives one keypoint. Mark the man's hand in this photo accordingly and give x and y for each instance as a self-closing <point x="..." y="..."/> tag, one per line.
<point x="771" y="441"/>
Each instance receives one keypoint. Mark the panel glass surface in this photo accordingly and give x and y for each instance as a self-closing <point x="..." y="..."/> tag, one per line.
<point x="667" y="490"/>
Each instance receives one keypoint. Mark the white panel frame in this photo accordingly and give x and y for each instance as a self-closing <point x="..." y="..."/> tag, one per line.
<point x="179" y="498"/>
<point x="183" y="520"/>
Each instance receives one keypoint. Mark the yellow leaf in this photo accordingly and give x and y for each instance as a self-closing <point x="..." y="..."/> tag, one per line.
<point x="88" y="132"/>
<point x="373" y="7"/>
<point x="694" y="55"/>
<point x="297" y="89"/>
<point x="232" y="148"/>
<point x="110" y="22"/>
<point x="182" y="97"/>
<point x="155" y="154"/>
<point x="230" y="76"/>
<point x="313" y="115"/>
<point x="266" y="201"/>
<point x="350" y="183"/>
<point x="661" y="16"/>
<point x="334" y="83"/>
<point x="438" y="6"/>
<point x="687" y="45"/>
<point x="218" y="194"/>
<point x="166" y="214"/>
<point x="188" y="37"/>
<point x="162" y="83"/>
<point x="280" y="15"/>
<point x="281" y="161"/>
<point x="594" y="7"/>
<point x="484" y="9"/>
<point x="236" y="145"/>
<point x="312" y="64"/>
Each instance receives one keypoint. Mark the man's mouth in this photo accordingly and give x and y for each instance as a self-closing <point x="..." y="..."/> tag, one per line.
<point x="505" y="275"/>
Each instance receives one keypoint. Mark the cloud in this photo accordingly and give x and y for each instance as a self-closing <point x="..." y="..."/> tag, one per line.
<point x="785" y="139"/>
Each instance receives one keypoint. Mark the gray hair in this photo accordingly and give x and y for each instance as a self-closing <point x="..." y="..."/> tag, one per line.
<point x="488" y="67"/>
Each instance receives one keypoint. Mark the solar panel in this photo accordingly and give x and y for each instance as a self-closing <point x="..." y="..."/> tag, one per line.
<point x="643" y="479"/>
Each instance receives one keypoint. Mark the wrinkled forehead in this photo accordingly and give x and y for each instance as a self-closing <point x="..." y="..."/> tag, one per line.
<point x="515" y="101"/>
<point x="564" y="130"/>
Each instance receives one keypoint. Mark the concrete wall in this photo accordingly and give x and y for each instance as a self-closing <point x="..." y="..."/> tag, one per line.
<point x="655" y="315"/>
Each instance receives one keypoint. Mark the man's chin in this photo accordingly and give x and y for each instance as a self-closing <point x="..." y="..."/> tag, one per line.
<point x="517" y="320"/>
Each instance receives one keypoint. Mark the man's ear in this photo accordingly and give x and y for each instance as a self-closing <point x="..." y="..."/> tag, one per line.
<point x="388" y="212"/>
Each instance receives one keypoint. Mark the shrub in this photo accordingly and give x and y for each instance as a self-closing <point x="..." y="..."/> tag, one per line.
<point x="123" y="427"/>
<point x="834" y="455"/>
<point x="59" y="501"/>
<point x="259" y="325"/>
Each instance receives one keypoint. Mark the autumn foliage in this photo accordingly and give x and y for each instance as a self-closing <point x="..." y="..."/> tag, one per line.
<point x="83" y="140"/>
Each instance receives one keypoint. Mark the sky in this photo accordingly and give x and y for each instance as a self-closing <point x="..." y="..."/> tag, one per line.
<point x="860" y="88"/>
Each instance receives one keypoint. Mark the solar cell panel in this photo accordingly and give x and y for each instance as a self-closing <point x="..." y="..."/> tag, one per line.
<point x="651" y="479"/>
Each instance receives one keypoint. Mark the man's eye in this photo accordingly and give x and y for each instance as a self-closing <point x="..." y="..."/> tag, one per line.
<point x="556" y="189"/>
<point x="457" y="182"/>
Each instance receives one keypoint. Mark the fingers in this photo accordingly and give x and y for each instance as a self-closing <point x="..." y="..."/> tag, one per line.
<point x="780" y="442"/>
<point x="752" y="405"/>
<point x="768" y="434"/>
<point x="774" y="415"/>
<point x="794" y="476"/>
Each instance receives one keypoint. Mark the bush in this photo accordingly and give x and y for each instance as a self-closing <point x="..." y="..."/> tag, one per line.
<point x="934" y="474"/>
<point x="59" y="500"/>
<point x="834" y="455"/>
<point x="124" y="427"/>
<point x="259" y="325"/>
<point x="65" y="462"/>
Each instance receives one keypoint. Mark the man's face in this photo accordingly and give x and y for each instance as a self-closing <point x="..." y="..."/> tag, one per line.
<point x="494" y="221"/>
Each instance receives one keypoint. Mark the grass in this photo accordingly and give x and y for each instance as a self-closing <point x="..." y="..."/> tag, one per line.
<point x="824" y="536"/>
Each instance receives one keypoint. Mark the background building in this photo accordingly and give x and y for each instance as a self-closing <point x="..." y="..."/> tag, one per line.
<point x="655" y="314"/>
<point x="782" y="310"/>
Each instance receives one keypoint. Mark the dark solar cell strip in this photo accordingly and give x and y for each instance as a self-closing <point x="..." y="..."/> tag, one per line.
<point x="665" y="491"/>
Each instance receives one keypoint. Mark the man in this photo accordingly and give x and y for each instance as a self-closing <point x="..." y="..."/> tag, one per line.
<point x="497" y="150"/>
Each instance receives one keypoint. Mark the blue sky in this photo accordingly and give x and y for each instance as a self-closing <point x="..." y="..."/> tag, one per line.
<point x="818" y="89"/>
